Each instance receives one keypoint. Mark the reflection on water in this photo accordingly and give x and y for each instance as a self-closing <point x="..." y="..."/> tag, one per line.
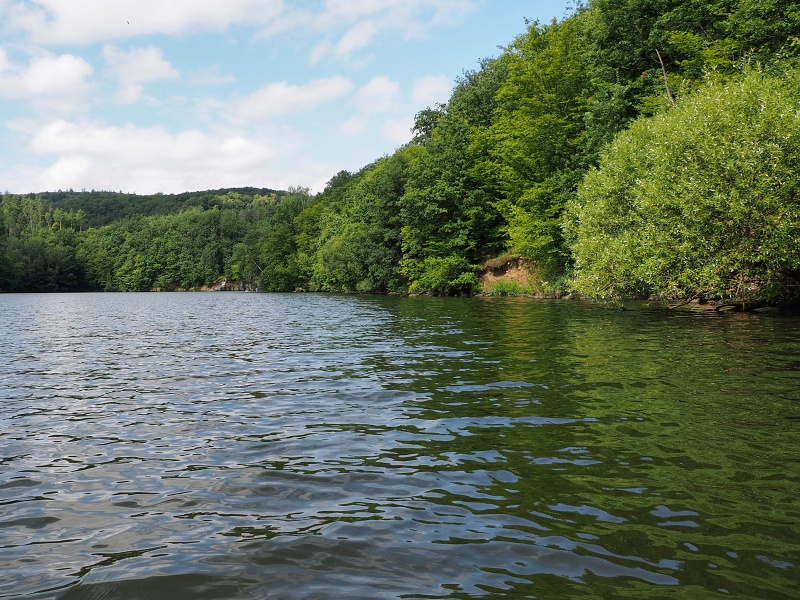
<point x="306" y="446"/>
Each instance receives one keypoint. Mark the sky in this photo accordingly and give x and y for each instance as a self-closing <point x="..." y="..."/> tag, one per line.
<point x="147" y="96"/>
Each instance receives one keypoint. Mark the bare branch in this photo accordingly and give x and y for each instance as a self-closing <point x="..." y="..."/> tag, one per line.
<point x="666" y="83"/>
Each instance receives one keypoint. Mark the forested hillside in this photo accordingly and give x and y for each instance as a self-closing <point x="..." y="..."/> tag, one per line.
<point x="636" y="147"/>
<point x="101" y="208"/>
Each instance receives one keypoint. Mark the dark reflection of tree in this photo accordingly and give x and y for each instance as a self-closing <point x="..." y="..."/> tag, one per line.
<point x="646" y="437"/>
<point x="691" y="442"/>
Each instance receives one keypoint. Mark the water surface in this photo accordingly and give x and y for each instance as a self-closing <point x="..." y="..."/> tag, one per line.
<point x="226" y="445"/>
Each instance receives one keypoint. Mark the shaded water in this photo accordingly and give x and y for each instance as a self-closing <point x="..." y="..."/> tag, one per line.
<point x="306" y="446"/>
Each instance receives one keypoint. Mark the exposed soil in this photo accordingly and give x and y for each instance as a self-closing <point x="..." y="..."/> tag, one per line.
<point x="505" y="269"/>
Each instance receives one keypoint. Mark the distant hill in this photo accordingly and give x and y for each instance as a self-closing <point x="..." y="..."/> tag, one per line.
<point x="103" y="207"/>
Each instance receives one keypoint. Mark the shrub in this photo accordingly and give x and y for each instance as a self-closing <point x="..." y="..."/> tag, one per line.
<point x="702" y="200"/>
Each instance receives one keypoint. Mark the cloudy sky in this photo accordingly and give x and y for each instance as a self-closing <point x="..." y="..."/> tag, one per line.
<point x="169" y="96"/>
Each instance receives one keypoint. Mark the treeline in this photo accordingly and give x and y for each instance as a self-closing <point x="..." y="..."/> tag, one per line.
<point x="634" y="148"/>
<point x="184" y="241"/>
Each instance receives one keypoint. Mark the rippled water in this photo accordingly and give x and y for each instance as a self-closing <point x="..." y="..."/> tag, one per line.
<point x="307" y="446"/>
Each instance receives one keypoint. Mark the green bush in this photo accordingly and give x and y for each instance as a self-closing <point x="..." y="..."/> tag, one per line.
<point x="702" y="200"/>
<point x="449" y="275"/>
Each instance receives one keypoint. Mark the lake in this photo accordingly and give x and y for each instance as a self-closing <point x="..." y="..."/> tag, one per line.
<point x="243" y="445"/>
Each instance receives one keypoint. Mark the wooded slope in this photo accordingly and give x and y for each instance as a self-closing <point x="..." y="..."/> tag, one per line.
<point x="636" y="147"/>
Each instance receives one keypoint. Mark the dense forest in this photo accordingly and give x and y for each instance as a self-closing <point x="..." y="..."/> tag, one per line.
<point x="635" y="148"/>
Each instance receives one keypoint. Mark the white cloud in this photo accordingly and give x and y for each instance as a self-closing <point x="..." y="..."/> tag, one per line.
<point x="129" y="94"/>
<point x="354" y="126"/>
<point x="348" y="25"/>
<point x="354" y="9"/>
<point x="282" y="98"/>
<point x="146" y="159"/>
<point x="90" y="21"/>
<point x="407" y="15"/>
<point x="22" y="125"/>
<point x="397" y="131"/>
<point x="379" y="95"/>
<point x="67" y="172"/>
<point x="135" y="67"/>
<point x="4" y="62"/>
<point x="139" y="65"/>
<point x="50" y="75"/>
<point x="210" y="76"/>
<point x="358" y="23"/>
<point x="428" y="91"/>
<point x="357" y="37"/>
<point x="59" y="81"/>
<point x="320" y="51"/>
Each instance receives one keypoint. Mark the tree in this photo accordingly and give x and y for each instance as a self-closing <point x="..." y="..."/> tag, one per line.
<point x="450" y="222"/>
<point x="277" y="250"/>
<point x="529" y="150"/>
<point x="358" y="246"/>
<point x="700" y="201"/>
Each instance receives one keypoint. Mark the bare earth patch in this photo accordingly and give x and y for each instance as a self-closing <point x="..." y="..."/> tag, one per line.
<point x="516" y="277"/>
<point x="505" y="269"/>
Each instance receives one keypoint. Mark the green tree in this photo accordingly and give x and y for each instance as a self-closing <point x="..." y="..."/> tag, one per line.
<point x="309" y="225"/>
<point x="703" y="200"/>
<point x="529" y="150"/>
<point x="353" y="232"/>
<point x="38" y="246"/>
<point x="277" y="249"/>
<point x="450" y="222"/>
<point x="99" y="252"/>
<point x="360" y="244"/>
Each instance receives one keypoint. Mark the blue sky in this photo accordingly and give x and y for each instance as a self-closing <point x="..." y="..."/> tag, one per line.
<point x="169" y="96"/>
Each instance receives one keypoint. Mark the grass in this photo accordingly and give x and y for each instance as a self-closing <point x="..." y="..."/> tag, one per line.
<point x="508" y="288"/>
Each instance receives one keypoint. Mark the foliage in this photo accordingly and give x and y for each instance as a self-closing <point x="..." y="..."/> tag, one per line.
<point x="359" y="243"/>
<point x="38" y="246"/>
<point x="496" y="169"/>
<point x="527" y="151"/>
<point x="449" y="219"/>
<point x="101" y="207"/>
<point x="443" y="275"/>
<point x="276" y="244"/>
<point x="700" y="201"/>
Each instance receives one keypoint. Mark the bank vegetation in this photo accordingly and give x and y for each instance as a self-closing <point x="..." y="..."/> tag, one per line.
<point x="632" y="149"/>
